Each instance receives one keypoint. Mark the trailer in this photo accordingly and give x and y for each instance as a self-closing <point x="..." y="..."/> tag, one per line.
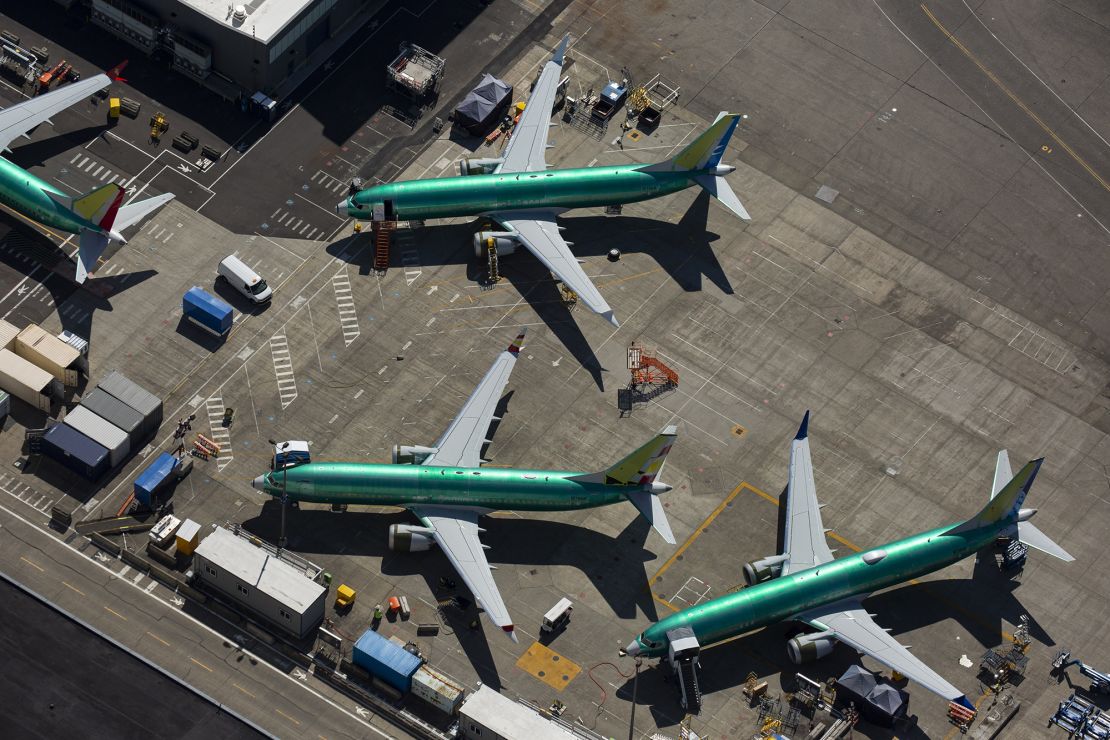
<point x="437" y="690"/>
<point x="385" y="660"/>
<point x="208" y="312"/>
<point x="101" y="431"/>
<point x="53" y="355"/>
<point x="8" y="333"/>
<point x="165" y="469"/>
<point x="27" y="382"/>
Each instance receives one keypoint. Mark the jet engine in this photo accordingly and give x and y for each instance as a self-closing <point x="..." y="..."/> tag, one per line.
<point x="804" y="648"/>
<point x="479" y="166"/>
<point x="407" y="538"/>
<point x="1025" y="515"/>
<point x="759" y="571"/>
<point x="505" y="242"/>
<point x="411" y="454"/>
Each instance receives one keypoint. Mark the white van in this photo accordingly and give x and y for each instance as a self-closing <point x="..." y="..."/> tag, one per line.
<point x="244" y="279"/>
<point x="557" y="617"/>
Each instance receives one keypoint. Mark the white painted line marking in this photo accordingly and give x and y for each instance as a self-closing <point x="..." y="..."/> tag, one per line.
<point x="98" y="169"/>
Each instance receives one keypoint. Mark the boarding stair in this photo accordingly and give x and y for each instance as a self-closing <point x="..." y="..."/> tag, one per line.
<point x="383" y="236"/>
<point x="688" y="684"/>
<point x="682" y="654"/>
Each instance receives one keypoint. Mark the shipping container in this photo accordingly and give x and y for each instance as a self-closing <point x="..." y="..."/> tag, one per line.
<point x="157" y="475"/>
<point x="105" y="405"/>
<point x="101" y="431"/>
<point x="80" y="344"/>
<point x="8" y="333"/>
<point x="188" y="536"/>
<point x="5" y="404"/>
<point x="207" y="311"/>
<point x="383" y="659"/>
<point x="437" y="690"/>
<point x="75" y="451"/>
<point x="53" y="355"/>
<point x="27" y="382"/>
<point x="135" y="396"/>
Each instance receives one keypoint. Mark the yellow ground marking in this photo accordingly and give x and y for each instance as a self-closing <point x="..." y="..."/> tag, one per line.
<point x="33" y="565"/>
<point x="548" y="666"/>
<point x="832" y="535"/>
<point x="159" y="639"/>
<point x="1017" y="101"/>
<point x="73" y="588"/>
<point x="291" y="719"/>
<point x="690" y="540"/>
<point x="44" y="230"/>
<point x="625" y="279"/>
<point x="202" y="665"/>
<point x="108" y="608"/>
<point x="244" y="691"/>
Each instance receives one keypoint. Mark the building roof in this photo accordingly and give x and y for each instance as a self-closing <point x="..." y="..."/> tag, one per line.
<point x="265" y="18"/>
<point x="507" y="718"/>
<point x="258" y="567"/>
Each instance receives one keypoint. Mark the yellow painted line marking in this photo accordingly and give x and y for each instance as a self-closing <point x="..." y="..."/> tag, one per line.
<point x="690" y="540"/>
<point x="625" y="279"/>
<point x="73" y="588"/>
<point x="291" y="719"/>
<point x="1017" y="101"/>
<point x="159" y="639"/>
<point x="108" y="608"/>
<point x="33" y="565"/>
<point x="244" y="691"/>
<point x="548" y="666"/>
<point x="202" y="665"/>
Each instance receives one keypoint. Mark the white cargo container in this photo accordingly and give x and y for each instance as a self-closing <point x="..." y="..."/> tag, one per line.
<point x="436" y="689"/>
<point x="101" y="431"/>
<point x="53" y="355"/>
<point x="27" y="382"/>
<point x="8" y="333"/>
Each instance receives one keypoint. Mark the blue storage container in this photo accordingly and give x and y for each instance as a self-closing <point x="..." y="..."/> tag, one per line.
<point x="157" y="474"/>
<point x="75" y="451"/>
<point x="386" y="660"/>
<point x="207" y="311"/>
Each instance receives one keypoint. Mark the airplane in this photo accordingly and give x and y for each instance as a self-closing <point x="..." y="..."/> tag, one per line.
<point x="519" y="193"/>
<point x="98" y="217"/>
<point x="806" y="584"/>
<point x="448" y="491"/>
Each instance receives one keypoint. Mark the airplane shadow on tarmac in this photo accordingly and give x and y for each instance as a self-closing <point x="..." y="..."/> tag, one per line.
<point x="615" y="565"/>
<point x="682" y="250"/>
<point x="36" y="153"/>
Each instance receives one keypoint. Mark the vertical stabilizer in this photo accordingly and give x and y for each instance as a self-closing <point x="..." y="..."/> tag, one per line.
<point x="100" y="206"/>
<point x="1006" y="503"/>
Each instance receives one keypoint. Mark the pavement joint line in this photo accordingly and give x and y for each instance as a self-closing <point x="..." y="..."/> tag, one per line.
<point x="74" y="550"/>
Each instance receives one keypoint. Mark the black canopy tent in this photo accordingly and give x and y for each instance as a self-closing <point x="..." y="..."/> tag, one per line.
<point x="484" y="105"/>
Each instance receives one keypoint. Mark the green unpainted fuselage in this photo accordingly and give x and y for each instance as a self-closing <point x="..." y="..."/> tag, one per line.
<point x="782" y="598"/>
<point x="403" y="485"/>
<point x="23" y="192"/>
<point x="473" y="195"/>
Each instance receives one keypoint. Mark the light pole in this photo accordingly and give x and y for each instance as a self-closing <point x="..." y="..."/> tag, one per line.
<point x="284" y="495"/>
<point x="635" y="681"/>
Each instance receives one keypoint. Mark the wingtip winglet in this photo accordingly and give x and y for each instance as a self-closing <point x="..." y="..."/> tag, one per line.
<point x="561" y="50"/>
<point x="114" y="74"/>
<point x="670" y="430"/>
<point x="510" y="630"/>
<point x="608" y="316"/>
<point x="518" y="343"/>
<point x="803" y="430"/>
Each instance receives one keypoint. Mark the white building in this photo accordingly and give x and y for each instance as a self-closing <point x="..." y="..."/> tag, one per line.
<point x="487" y="715"/>
<point x="271" y="588"/>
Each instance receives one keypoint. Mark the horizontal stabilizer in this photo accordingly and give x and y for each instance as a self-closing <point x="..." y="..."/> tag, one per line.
<point x="132" y="213"/>
<point x="651" y="508"/>
<point x="1035" y="538"/>
<point x="91" y="244"/>
<point x="719" y="188"/>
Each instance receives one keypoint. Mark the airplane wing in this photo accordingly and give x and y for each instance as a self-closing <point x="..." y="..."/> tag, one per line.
<point x="538" y="231"/>
<point x="805" y="544"/>
<point x="524" y="152"/>
<point x="851" y="624"/>
<point x="17" y="120"/>
<point x="456" y="533"/>
<point x="461" y="445"/>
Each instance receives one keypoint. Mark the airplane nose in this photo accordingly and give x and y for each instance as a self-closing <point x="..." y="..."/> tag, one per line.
<point x="341" y="206"/>
<point x="633" y="648"/>
<point x="658" y="487"/>
<point x="259" y="483"/>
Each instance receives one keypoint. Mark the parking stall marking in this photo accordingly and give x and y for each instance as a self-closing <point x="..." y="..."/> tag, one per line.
<point x="283" y="368"/>
<point x="219" y="433"/>
<point x="345" y="302"/>
<point x="19" y="490"/>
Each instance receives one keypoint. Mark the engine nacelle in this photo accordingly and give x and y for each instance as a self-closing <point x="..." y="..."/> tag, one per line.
<point x="504" y="242"/>
<point x="759" y="571"/>
<point x="479" y="166"/>
<point x="806" y="648"/>
<point x="407" y="538"/>
<point x="411" y="454"/>
<point x="1025" y="515"/>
